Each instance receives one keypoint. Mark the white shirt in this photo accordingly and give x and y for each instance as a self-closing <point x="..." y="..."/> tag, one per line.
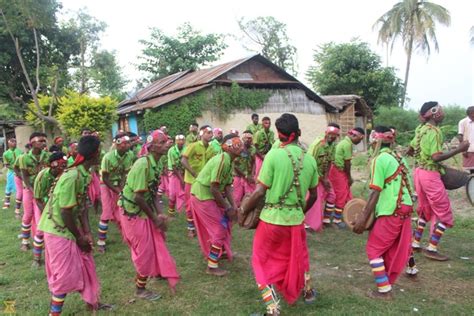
<point x="466" y="129"/>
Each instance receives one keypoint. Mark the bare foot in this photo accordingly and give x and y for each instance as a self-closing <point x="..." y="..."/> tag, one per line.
<point x="216" y="271"/>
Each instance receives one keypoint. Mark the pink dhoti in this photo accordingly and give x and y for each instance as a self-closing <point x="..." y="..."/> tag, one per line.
<point x="110" y="209"/>
<point x="163" y="188"/>
<point x="187" y="196"/>
<point x="241" y="187"/>
<point x="280" y="257"/>
<point x="176" y="197"/>
<point x="19" y="188"/>
<point x="212" y="226"/>
<point x="390" y="239"/>
<point x="93" y="190"/>
<point x="35" y="221"/>
<point x="258" y="165"/>
<point x="314" y="216"/>
<point x="68" y="269"/>
<point x="340" y="184"/>
<point x="433" y="199"/>
<point x="28" y="209"/>
<point x="147" y="244"/>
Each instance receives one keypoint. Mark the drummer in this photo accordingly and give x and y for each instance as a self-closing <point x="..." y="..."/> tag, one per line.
<point x="388" y="245"/>
<point x="433" y="200"/>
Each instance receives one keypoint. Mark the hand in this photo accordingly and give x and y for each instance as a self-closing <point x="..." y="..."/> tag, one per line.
<point x="465" y="154"/>
<point x="359" y="226"/>
<point x="326" y="184"/>
<point x="84" y="244"/>
<point x="232" y="214"/>
<point x="117" y="190"/>
<point x="351" y="181"/>
<point x="250" y="179"/>
<point x="160" y="222"/>
<point x="464" y="146"/>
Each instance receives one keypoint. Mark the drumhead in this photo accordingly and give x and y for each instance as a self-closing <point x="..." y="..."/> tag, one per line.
<point x="250" y="220"/>
<point x="470" y="190"/>
<point x="352" y="210"/>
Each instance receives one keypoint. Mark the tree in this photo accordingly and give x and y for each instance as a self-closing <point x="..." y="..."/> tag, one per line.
<point x="189" y="49"/>
<point x="472" y="35"/>
<point x="107" y="76"/>
<point x="414" y="21"/>
<point x="77" y="110"/>
<point x="352" y="68"/>
<point x="270" y="38"/>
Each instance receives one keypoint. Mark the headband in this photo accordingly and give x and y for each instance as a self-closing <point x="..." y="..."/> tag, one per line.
<point x="122" y="139"/>
<point x="156" y="134"/>
<point x="12" y="140"/>
<point x="434" y="112"/>
<point x="179" y="137"/>
<point x="387" y="137"/>
<point x="247" y="135"/>
<point x="285" y="139"/>
<point x="231" y="144"/>
<point x="354" y="132"/>
<point x="205" y="129"/>
<point x="332" y="130"/>
<point x="37" y="139"/>
<point x="234" y="131"/>
<point x="59" y="162"/>
<point x="56" y="139"/>
<point x="217" y="130"/>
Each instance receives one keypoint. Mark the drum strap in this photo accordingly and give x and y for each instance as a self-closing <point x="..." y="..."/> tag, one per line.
<point x="295" y="184"/>
<point x="402" y="169"/>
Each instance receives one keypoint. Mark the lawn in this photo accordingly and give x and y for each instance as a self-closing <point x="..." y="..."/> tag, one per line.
<point x="338" y="265"/>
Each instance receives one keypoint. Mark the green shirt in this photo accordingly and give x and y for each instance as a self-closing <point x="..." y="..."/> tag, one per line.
<point x="43" y="183"/>
<point x="116" y="165"/>
<point x="191" y="138"/>
<point x="215" y="148"/>
<point x="33" y="165"/>
<point x="136" y="149"/>
<point x="277" y="174"/>
<point x="143" y="177"/>
<point x="244" y="163"/>
<point x="383" y="167"/>
<point x="174" y="158"/>
<point x="197" y="155"/>
<point x="343" y="152"/>
<point x="324" y="153"/>
<point x="263" y="141"/>
<point x="69" y="193"/>
<point x="9" y="157"/>
<point x="216" y="170"/>
<point x="427" y="142"/>
<point x="254" y="128"/>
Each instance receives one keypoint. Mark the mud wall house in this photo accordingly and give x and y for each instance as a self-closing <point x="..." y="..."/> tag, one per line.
<point x="351" y="111"/>
<point x="285" y="94"/>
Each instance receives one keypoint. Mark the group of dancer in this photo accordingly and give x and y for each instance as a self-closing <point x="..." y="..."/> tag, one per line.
<point x="206" y="175"/>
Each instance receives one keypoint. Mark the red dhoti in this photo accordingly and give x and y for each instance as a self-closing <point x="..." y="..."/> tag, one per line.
<point x="93" y="190"/>
<point x="433" y="199"/>
<point x="241" y="187"/>
<point x="176" y="197"/>
<point x="19" y="188"/>
<point x="258" y="165"/>
<point x="110" y="209"/>
<point x="211" y="226"/>
<point x="70" y="270"/>
<point x="280" y="257"/>
<point x="390" y="239"/>
<point x="340" y="184"/>
<point x="147" y="244"/>
<point x="314" y="216"/>
<point x="164" y="184"/>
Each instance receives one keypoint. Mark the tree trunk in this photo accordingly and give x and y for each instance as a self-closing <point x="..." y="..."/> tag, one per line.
<point x="82" y="70"/>
<point x="407" y="71"/>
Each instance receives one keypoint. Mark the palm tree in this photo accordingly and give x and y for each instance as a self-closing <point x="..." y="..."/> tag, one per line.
<point x="414" y="21"/>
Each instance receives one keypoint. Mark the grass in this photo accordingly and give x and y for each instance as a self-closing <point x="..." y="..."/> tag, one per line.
<point x="338" y="265"/>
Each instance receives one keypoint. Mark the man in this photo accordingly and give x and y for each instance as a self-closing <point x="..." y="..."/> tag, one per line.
<point x="9" y="158"/>
<point x="114" y="168"/>
<point x="19" y="183"/>
<point x="264" y="139"/>
<point x="388" y="245"/>
<point x="323" y="151"/>
<point x="244" y="168"/>
<point x="255" y="126"/>
<point x="192" y="136"/>
<point x="280" y="253"/>
<point x="59" y="143"/>
<point x="143" y="222"/>
<point x="93" y="191"/>
<point x="466" y="132"/>
<point x="43" y="183"/>
<point x="340" y="172"/>
<point x="164" y="178"/>
<point x="215" y="144"/>
<point x="194" y="158"/>
<point x="31" y="164"/>
<point x="71" y="153"/>
<point x="176" y="199"/>
<point x="69" y="261"/>
<point x="211" y="212"/>
<point x="86" y="131"/>
<point x="136" y="143"/>
<point x="433" y="200"/>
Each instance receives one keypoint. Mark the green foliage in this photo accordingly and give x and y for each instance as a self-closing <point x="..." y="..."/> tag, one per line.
<point x="107" y="76"/>
<point x="47" y="104"/>
<point x="352" y="68"/>
<point x="222" y="102"/>
<point x="9" y="112"/>
<point x="80" y="110"/>
<point x="189" y="49"/>
<point x="270" y="38"/>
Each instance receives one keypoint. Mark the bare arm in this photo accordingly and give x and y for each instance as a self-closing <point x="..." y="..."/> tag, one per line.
<point x="359" y="224"/>
<point x="313" y="196"/>
<point x="347" y="170"/>
<point x="106" y="179"/>
<point x="26" y="179"/>
<point x="216" y="193"/>
<point x="69" y="222"/>
<point x="143" y="205"/>
<point x="254" y="199"/>
<point x="187" y="166"/>
<point x="40" y="204"/>
<point x="438" y="157"/>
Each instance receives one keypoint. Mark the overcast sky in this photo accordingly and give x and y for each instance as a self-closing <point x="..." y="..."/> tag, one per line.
<point x="447" y="76"/>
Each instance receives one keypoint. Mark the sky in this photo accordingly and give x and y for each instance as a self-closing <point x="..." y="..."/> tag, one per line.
<point x="446" y="77"/>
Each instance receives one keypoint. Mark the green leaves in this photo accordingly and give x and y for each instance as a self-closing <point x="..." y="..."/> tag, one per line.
<point x="352" y="68"/>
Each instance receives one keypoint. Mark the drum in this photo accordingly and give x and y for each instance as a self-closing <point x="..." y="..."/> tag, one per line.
<point x="251" y="219"/>
<point x="352" y="210"/>
<point x="470" y="190"/>
<point x="454" y="179"/>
